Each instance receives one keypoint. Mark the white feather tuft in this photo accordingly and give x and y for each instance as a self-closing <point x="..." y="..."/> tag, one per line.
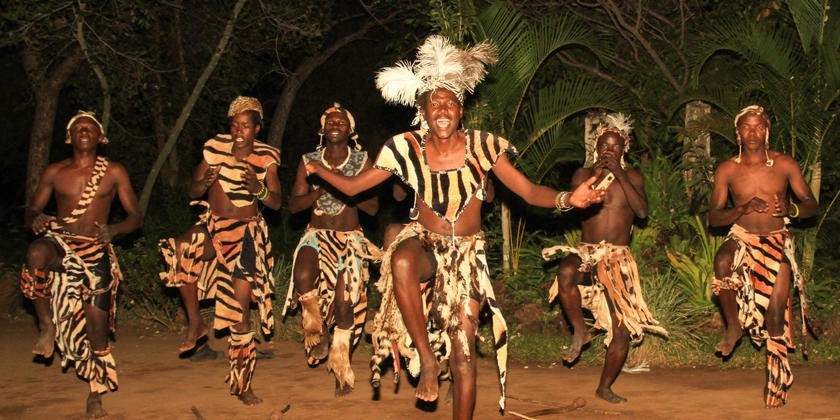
<point x="399" y="84"/>
<point x="439" y="64"/>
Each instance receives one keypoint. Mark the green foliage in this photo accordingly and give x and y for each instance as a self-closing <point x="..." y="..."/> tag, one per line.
<point x="143" y="295"/>
<point x="679" y="316"/>
<point x="532" y="114"/>
<point x="528" y="284"/>
<point x="693" y="262"/>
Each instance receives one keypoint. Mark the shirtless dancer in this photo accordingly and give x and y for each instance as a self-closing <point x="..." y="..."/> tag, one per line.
<point x="613" y="292"/>
<point x="755" y="267"/>
<point x="72" y="274"/>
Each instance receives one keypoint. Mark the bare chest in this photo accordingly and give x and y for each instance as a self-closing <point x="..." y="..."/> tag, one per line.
<point x="757" y="181"/>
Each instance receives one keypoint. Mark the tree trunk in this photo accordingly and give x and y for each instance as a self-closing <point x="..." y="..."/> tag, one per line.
<point x="698" y="150"/>
<point x="146" y="194"/>
<point x="105" y="114"/>
<point x="46" y="88"/>
<point x="287" y="97"/>
<point x="506" y="239"/>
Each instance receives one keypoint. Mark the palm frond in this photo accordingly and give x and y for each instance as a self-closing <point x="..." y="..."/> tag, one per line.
<point x="525" y="50"/>
<point x="552" y="148"/>
<point x="550" y="106"/>
<point x="810" y="18"/>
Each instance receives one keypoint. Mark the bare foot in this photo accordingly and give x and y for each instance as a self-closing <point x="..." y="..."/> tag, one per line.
<point x="249" y="398"/>
<point x="727" y="344"/>
<point x="46" y="341"/>
<point x="606" y="394"/>
<point x="427" y="386"/>
<point x="94" y="408"/>
<point x="578" y="341"/>
<point x="193" y="337"/>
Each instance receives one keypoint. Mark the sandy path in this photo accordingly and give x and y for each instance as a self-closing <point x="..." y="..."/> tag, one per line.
<point x="155" y="384"/>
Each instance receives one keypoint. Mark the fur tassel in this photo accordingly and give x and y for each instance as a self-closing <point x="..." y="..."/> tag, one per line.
<point x="339" y="362"/>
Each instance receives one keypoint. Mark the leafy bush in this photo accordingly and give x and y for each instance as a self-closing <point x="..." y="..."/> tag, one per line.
<point x="693" y="261"/>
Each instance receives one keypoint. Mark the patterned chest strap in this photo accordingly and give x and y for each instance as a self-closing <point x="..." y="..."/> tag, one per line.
<point x="91" y="188"/>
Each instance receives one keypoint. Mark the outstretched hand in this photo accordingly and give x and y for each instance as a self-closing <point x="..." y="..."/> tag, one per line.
<point x="312" y="167"/>
<point x="584" y="195"/>
<point x="210" y="175"/>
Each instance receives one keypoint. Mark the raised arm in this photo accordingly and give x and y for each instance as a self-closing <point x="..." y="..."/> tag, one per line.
<point x="203" y="177"/>
<point x="633" y="185"/>
<point x="350" y="185"/>
<point x="540" y="195"/>
<point x="303" y="195"/>
<point x="274" y="199"/>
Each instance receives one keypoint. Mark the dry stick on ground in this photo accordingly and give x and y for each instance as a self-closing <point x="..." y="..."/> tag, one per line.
<point x="554" y="409"/>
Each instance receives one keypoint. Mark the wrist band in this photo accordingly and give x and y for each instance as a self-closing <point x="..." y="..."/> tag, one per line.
<point x="262" y="193"/>
<point x="796" y="208"/>
<point x="561" y="201"/>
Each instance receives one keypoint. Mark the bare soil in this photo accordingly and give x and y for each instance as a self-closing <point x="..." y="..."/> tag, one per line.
<point x="156" y="384"/>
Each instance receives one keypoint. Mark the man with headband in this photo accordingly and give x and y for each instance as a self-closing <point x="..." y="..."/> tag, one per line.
<point x="330" y="268"/>
<point x="755" y="266"/>
<point x="613" y="291"/>
<point x="434" y="275"/>
<point x="227" y="256"/>
<point x="72" y="274"/>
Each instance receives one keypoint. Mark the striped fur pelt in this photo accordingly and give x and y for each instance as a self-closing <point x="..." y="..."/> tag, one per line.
<point x="340" y="253"/>
<point x="615" y="283"/>
<point x="215" y="276"/>
<point x="77" y="284"/>
<point x="462" y="275"/>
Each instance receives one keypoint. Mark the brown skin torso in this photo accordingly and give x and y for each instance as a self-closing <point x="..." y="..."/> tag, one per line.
<point x="759" y="192"/>
<point x="66" y="180"/>
<point x="446" y="154"/>
<point x="625" y="198"/>
<point x="305" y="195"/>
<point x="612" y="220"/>
<point x="755" y="189"/>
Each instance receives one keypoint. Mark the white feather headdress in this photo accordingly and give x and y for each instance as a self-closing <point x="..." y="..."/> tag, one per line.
<point x="439" y="64"/>
<point x="616" y="123"/>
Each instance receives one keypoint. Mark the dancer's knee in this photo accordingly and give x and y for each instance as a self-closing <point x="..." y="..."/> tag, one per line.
<point x="40" y="254"/>
<point x="567" y="276"/>
<point x="723" y="260"/>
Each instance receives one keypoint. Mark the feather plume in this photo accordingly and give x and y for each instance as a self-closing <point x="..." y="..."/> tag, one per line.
<point x="399" y="84"/>
<point x="439" y="64"/>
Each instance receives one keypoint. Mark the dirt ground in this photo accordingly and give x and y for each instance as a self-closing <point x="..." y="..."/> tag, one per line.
<point x="156" y="384"/>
